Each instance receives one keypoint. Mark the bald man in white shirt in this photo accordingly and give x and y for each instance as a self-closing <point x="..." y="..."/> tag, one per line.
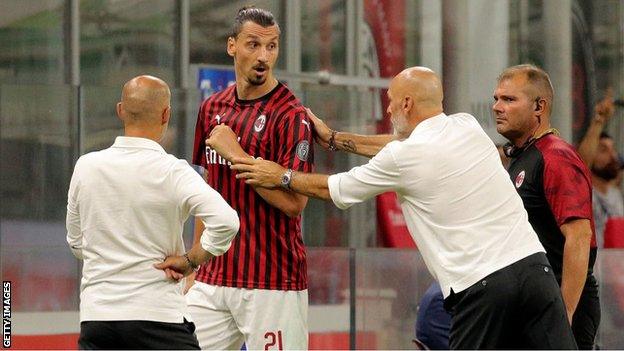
<point x="125" y="213"/>
<point x="461" y="209"/>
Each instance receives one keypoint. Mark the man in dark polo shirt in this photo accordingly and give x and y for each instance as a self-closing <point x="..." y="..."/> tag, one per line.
<point x="555" y="186"/>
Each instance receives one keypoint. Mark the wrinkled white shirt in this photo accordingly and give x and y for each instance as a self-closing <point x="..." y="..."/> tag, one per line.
<point x="458" y="201"/>
<point x="126" y="209"/>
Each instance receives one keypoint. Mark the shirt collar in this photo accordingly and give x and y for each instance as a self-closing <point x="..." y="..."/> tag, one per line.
<point x="428" y="122"/>
<point x="140" y="143"/>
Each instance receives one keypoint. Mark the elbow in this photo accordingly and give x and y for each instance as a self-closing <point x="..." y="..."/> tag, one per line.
<point x="294" y="211"/>
<point x="75" y="245"/>
<point x="216" y="239"/>
<point x="76" y="250"/>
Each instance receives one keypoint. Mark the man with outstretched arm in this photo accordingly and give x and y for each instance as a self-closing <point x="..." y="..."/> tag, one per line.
<point x="460" y="208"/>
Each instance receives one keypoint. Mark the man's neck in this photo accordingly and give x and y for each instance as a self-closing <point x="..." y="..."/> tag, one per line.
<point x="536" y="134"/>
<point x="247" y="91"/>
<point x="142" y="133"/>
<point x="422" y="115"/>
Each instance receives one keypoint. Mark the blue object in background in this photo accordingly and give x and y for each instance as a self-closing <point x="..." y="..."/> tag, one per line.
<point x="211" y="80"/>
<point x="433" y="323"/>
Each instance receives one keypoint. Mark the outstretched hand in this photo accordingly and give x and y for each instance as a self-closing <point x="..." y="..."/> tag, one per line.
<point x="322" y="132"/>
<point x="258" y="172"/>
<point x="605" y="108"/>
<point x="175" y="267"/>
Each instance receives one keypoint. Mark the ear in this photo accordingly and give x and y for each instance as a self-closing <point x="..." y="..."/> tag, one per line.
<point x="408" y="103"/>
<point x="166" y="115"/>
<point x="540" y="105"/>
<point x="118" y="109"/>
<point x="231" y="46"/>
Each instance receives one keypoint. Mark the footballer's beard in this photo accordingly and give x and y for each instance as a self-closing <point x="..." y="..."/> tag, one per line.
<point x="255" y="79"/>
<point x="608" y="172"/>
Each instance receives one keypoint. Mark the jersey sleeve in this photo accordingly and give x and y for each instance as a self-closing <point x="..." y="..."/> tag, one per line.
<point x="379" y="175"/>
<point x="199" y="145"/>
<point x="567" y="186"/>
<point x="294" y="141"/>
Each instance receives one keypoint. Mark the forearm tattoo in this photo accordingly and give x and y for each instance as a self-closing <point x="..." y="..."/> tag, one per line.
<point x="349" y="145"/>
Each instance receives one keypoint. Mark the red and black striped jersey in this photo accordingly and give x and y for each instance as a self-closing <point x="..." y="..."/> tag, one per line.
<point x="268" y="252"/>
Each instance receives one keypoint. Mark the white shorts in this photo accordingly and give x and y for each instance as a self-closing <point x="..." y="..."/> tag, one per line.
<point x="263" y="319"/>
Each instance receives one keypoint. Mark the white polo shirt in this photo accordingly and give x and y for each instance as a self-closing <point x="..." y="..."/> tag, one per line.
<point x="126" y="209"/>
<point x="458" y="201"/>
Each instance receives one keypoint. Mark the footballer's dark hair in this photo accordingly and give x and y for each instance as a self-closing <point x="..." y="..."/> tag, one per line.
<point x="254" y="14"/>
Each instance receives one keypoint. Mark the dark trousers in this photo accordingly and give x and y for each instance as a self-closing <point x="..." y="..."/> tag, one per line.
<point x="135" y="335"/>
<point x="517" y="307"/>
<point x="587" y="315"/>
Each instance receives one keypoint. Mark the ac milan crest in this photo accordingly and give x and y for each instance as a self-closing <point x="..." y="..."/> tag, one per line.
<point x="519" y="179"/>
<point x="259" y="124"/>
<point x="303" y="149"/>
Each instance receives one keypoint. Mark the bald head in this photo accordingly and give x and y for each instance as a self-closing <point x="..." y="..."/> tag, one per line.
<point x="415" y="94"/>
<point x="144" y="99"/>
<point x="422" y="85"/>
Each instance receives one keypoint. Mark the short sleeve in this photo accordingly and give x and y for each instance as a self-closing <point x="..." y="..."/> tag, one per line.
<point x="379" y="175"/>
<point x="294" y="141"/>
<point x="567" y="186"/>
<point x="199" y="145"/>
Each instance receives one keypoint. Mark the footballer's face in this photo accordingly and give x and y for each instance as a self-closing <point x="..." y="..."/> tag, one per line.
<point x="255" y="51"/>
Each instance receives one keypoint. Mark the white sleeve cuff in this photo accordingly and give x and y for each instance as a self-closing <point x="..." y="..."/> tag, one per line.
<point x="333" y="183"/>
<point x="220" y="231"/>
<point x="214" y="248"/>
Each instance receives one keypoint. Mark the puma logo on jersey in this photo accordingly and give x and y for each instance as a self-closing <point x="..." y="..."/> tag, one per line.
<point x="306" y="123"/>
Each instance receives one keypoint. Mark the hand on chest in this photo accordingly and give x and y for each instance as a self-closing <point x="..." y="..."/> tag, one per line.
<point x="252" y="130"/>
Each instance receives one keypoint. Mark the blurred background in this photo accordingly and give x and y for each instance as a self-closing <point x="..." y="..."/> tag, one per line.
<point x="63" y="62"/>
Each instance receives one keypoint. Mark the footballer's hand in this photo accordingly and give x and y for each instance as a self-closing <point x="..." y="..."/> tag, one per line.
<point x="258" y="172"/>
<point x="223" y="140"/>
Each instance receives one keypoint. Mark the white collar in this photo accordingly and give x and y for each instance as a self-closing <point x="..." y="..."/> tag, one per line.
<point x="135" y="142"/>
<point x="427" y="122"/>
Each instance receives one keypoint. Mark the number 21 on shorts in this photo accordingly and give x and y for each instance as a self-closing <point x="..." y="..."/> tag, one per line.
<point x="273" y="339"/>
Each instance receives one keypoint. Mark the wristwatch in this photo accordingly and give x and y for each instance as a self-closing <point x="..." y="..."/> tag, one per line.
<point x="286" y="179"/>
